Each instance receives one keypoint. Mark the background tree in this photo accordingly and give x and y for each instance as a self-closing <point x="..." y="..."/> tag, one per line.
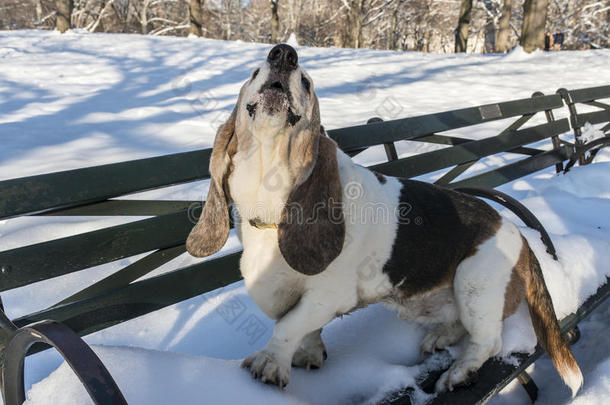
<point x="393" y="36"/>
<point x="534" y="21"/>
<point x="461" y="32"/>
<point x="275" y="21"/>
<point x="422" y="25"/>
<point x="504" y="27"/>
<point x="64" y="15"/>
<point x="353" y="24"/>
<point x="195" y="17"/>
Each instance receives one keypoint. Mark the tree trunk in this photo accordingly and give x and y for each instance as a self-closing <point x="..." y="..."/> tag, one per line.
<point x="427" y="34"/>
<point x="504" y="27"/>
<point x="461" y="32"/>
<point x="38" y="10"/>
<point x="393" y="38"/>
<point x="534" y="19"/>
<point x="275" y="21"/>
<point x="196" y="18"/>
<point x="64" y="14"/>
<point x="98" y="25"/>
<point x="354" y="24"/>
<point x="144" y="17"/>
<point x="489" y="43"/>
<point x="393" y="23"/>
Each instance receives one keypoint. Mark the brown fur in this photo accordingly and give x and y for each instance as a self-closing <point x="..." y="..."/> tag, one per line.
<point x="303" y="145"/>
<point x="212" y="230"/>
<point x="515" y="290"/>
<point x="543" y="316"/>
<point x="312" y="228"/>
<point x="437" y="230"/>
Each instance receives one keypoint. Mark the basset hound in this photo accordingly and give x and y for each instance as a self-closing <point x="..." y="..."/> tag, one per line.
<point x="323" y="236"/>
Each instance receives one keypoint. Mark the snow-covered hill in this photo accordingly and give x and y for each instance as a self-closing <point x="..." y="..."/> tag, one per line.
<point x="74" y="100"/>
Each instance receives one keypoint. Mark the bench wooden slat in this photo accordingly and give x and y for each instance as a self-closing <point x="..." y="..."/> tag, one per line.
<point x="455" y="172"/>
<point x="409" y="128"/>
<point x="127" y="274"/>
<point x="42" y="261"/>
<point x="505" y="174"/>
<point x="595" y="117"/>
<point x="81" y="186"/>
<point x="589" y="94"/>
<point x="442" y="139"/>
<point x="439" y="159"/>
<point x="129" y="208"/>
<point x="142" y="297"/>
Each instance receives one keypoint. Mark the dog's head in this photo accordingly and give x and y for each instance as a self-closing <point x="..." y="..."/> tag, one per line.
<point x="278" y="103"/>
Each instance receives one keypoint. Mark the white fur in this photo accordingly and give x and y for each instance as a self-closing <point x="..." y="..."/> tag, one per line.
<point x="479" y="286"/>
<point x="574" y="380"/>
<point x="432" y="307"/>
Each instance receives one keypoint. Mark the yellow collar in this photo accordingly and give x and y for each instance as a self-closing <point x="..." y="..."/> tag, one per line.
<point x="259" y="224"/>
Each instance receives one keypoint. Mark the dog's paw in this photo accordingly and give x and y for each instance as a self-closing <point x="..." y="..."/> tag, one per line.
<point x="455" y="377"/>
<point x="311" y="357"/>
<point x="430" y="343"/>
<point x="264" y="366"/>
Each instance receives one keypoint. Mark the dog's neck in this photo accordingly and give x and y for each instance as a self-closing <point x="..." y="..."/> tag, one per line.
<point x="261" y="179"/>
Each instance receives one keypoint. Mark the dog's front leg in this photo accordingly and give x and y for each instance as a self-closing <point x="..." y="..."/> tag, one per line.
<point x="272" y="364"/>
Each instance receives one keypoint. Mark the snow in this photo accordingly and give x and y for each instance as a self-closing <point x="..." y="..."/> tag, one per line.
<point x="292" y="40"/>
<point x="590" y="133"/>
<point x="78" y="99"/>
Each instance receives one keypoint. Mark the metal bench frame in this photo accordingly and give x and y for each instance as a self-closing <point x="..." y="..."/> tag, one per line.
<point x="118" y="297"/>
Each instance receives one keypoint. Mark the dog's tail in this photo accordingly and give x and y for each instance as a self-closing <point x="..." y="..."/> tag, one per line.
<point x="547" y="328"/>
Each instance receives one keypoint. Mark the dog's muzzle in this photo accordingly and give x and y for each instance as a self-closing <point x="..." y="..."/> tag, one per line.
<point x="283" y="58"/>
<point x="274" y="95"/>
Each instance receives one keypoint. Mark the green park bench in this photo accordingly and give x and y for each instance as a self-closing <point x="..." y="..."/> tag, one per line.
<point x="93" y="191"/>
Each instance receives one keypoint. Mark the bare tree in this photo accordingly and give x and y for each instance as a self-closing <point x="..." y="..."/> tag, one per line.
<point x="504" y="27"/>
<point x="275" y="21"/>
<point x="38" y="5"/>
<point x="196" y="18"/>
<point x="64" y="14"/>
<point x="353" y="26"/>
<point x="422" y="25"/>
<point x="461" y="32"/>
<point x="392" y="41"/>
<point x="586" y="22"/>
<point x="105" y="8"/>
<point x="534" y="20"/>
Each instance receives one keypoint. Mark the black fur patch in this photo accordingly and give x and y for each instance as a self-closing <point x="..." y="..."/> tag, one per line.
<point x="438" y="228"/>
<point x="380" y="177"/>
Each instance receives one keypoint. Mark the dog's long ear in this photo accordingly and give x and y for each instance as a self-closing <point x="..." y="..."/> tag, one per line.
<point x="312" y="227"/>
<point x="212" y="230"/>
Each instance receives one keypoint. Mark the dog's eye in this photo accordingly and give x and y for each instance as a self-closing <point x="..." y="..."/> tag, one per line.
<point x="255" y="74"/>
<point x="305" y="83"/>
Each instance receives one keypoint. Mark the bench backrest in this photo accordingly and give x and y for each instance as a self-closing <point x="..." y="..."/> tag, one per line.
<point x="591" y="97"/>
<point x="91" y="192"/>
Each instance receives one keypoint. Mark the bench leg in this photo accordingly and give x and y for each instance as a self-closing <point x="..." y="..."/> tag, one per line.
<point x="528" y="385"/>
<point x="84" y="362"/>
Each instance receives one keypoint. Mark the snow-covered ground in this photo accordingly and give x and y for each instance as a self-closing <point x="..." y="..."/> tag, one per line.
<point x="75" y="100"/>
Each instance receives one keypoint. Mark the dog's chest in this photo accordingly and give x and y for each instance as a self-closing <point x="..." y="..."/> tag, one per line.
<point x="259" y="186"/>
<point x="271" y="283"/>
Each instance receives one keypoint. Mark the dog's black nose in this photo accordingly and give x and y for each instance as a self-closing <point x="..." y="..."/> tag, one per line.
<point x="283" y="58"/>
